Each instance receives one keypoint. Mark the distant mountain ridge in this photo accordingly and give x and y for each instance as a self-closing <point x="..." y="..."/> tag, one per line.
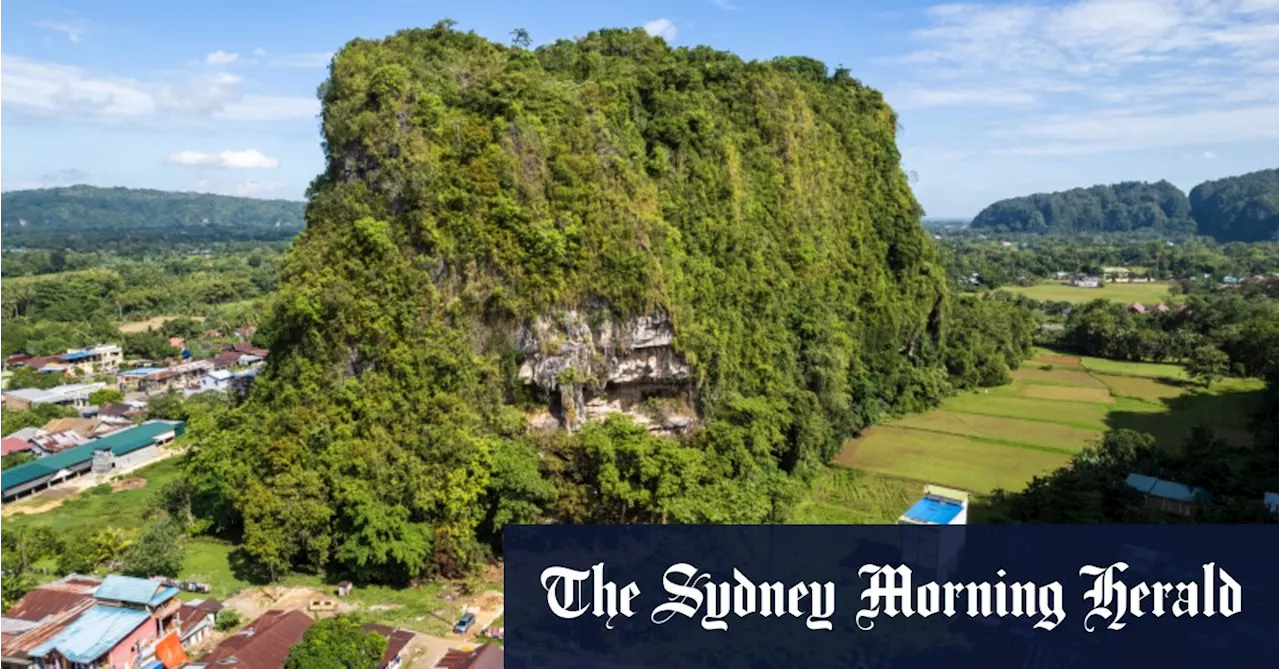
<point x="1122" y="207"/>
<point x="86" y="215"/>
<point x="1238" y="208"/>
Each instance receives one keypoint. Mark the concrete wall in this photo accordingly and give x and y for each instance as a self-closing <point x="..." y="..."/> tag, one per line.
<point x="138" y="457"/>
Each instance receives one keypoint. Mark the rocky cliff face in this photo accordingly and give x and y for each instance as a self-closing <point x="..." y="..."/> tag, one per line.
<point x="615" y="366"/>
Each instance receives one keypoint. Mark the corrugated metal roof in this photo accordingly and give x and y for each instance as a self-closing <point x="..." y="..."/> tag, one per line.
<point x="1179" y="492"/>
<point x="933" y="511"/>
<point x="93" y="634"/>
<point x="134" y="590"/>
<point x="120" y="443"/>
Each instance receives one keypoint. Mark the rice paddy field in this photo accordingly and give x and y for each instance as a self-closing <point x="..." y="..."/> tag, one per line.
<point x="1003" y="437"/>
<point x="1145" y="292"/>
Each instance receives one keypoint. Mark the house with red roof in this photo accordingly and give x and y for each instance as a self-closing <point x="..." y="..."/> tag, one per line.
<point x="14" y="445"/>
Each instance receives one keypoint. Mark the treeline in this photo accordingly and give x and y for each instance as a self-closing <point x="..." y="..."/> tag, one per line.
<point x="1239" y="208"/>
<point x="1042" y="257"/>
<point x="472" y="186"/>
<point x="1120" y="207"/>
<point x="1215" y="335"/>
<point x="47" y="314"/>
<point x="86" y="218"/>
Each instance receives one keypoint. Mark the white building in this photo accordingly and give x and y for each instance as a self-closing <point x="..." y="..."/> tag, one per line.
<point x="76" y="395"/>
<point x="100" y="359"/>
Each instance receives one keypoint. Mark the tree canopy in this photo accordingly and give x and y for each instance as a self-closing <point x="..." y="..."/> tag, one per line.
<point x="1240" y="208"/>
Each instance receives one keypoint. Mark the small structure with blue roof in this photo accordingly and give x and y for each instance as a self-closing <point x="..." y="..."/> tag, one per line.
<point x="1168" y="496"/>
<point x="939" y="506"/>
<point x="936" y="550"/>
<point x="1271" y="500"/>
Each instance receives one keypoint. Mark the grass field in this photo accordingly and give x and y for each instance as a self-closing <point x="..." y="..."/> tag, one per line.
<point x="1002" y="437"/>
<point x="1053" y="291"/>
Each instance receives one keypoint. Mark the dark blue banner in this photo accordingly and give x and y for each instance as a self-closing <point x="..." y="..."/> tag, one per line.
<point x="1033" y="596"/>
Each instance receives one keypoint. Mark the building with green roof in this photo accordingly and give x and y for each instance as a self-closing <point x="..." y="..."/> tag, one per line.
<point x="127" y="447"/>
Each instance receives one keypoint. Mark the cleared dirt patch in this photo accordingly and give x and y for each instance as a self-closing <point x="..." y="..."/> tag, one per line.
<point x="1046" y="435"/>
<point x="128" y="484"/>
<point x="28" y="507"/>
<point x="947" y="459"/>
<point x="153" y="323"/>
<point x="1068" y="393"/>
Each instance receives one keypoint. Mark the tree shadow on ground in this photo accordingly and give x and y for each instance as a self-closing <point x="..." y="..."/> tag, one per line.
<point x="1226" y="413"/>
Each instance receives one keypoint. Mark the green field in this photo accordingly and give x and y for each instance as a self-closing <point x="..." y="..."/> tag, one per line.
<point x="1002" y="437"/>
<point x="1146" y="293"/>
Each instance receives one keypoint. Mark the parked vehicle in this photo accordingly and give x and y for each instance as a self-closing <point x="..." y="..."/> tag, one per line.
<point x="464" y="623"/>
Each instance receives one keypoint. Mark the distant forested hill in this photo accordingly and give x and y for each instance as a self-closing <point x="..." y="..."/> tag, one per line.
<point x="81" y="217"/>
<point x="1121" y="207"/>
<point x="1241" y="208"/>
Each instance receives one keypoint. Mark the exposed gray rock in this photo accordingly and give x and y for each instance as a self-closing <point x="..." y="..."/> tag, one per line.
<point x="565" y="355"/>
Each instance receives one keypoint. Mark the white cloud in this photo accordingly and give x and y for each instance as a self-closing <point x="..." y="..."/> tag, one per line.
<point x="253" y="188"/>
<point x="259" y="51"/>
<point x="269" y="108"/>
<point x="1208" y="155"/>
<point x="663" y="28"/>
<point x="1093" y="76"/>
<point x="247" y="159"/>
<point x="56" y="91"/>
<point x="725" y="4"/>
<point x="73" y="31"/>
<point x="221" y="57"/>
<point x="301" y="60"/>
<point x="916" y="98"/>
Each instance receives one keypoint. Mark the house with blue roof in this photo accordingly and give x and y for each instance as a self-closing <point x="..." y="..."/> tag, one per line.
<point x="129" y="616"/>
<point x="939" y="506"/>
<point x="1168" y="496"/>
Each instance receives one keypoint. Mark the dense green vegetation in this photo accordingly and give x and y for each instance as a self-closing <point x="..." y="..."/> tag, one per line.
<point x="471" y="186"/>
<point x="88" y="218"/>
<point x="337" y="643"/>
<point x="49" y="313"/>
<point x="1120" y="207"/>
<point x="1241" y="208"/>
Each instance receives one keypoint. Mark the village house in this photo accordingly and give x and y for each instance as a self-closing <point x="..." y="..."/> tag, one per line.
<point x="397" y="640"/>
<point x="100" y="359"/>
<point x="161" y="379"/>
<point x="1085" y="281"/>
<point x="197" y="620"/>
<point x="488" y="656"/>
<point x="49" y="443"/>
<point x="13" y="445"/>
<point x="1117" y="274"/>
<point x="1167" y="496"/>
<point x="120" y="627"/>
<point x="262" y="644"/>
<point x="74" y="395"/>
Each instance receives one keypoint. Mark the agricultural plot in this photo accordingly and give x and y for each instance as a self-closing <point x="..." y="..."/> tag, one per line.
<point x="1147" y="293"/>
<point x="1057" y="404"/>
<point x="1048" y="436"/>
<point x="947" y="459"/>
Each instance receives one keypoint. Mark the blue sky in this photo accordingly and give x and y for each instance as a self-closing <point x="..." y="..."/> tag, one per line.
<point x="996" y="98"/>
